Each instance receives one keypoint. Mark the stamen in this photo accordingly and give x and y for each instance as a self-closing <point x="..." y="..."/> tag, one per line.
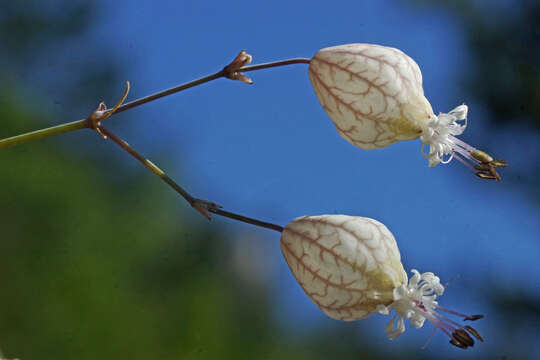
<point x="483" y="175"/>
<point x="441" y="136"/>
<point x="429" y="339"/>
<point x="483" y="167"/>
<point x="455" y="312"/>
<point x="481" y="156"/>
<point x="463" y="144"/>
<point x="474" y="317"/>
<point x="463" y="161"/>
<point x="416" y="302"/>
<point x="459" y="334"/>
<point x="444" y="318"/>
<point x="448" y="326"/>
<point x="499" y="163"/>
<point x="464" y="338"/>
<point x="474" y="333"/>
<point x="458" y="344"/>
<point x="444" y="330"/>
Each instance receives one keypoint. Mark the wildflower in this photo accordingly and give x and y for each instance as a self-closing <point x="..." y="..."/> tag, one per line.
<point x="374" y="96"/>
<point x="350" y="267"/>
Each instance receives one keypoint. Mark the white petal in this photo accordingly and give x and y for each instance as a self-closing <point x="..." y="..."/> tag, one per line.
<point x="389" y="328"/>
<point x="460" y="112"/>
<point x="381" y="309"/>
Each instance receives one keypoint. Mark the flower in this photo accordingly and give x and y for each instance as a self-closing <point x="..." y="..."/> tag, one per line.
<point x="350" y="267"/>
<point x="374" y="96"/>
<point x="416" y="302"/>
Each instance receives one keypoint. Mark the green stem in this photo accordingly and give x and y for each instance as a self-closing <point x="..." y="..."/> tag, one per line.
<point x="40" y="134"/>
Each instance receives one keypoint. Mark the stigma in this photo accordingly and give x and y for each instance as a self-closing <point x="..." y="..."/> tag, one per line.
<point x="441" y="135"/>
<point x="416" y="302"/>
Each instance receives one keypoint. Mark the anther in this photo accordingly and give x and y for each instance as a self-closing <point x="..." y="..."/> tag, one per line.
<point x="493" y="172"/>
<point x="482" y="166"/>
<point x="474" y="317"/>
<point x="481" y="156"/>
<point x="483" y="175"/>
<point x="461" y="336"/>
<point x="458" y="344"/>
<point x="498" y="163"/>
<point x="474" y="333"/>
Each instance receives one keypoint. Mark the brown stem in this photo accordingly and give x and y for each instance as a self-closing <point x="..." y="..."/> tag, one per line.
<point x="245" y="219"/>
<point x="203" y="206"/>
<point x="276" y="64"/>
<point x="227" y="72"/>
<point x="215" y="76"/>
<point x="170" y="91"/>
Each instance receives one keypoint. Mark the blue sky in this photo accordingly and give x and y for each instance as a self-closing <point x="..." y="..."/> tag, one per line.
<point x="269" y="151"/>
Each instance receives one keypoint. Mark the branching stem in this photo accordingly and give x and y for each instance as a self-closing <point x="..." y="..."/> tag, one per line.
<point x="203" y="206"/>
<point x="233" y="71"/>
<point x="85" y="123"/>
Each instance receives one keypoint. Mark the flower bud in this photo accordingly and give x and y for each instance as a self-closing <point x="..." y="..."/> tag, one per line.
<point x="346" y="265"/>
<point x="350" y="267"/>
<point x="372" y="93"/>
<point x="374" y="96"/>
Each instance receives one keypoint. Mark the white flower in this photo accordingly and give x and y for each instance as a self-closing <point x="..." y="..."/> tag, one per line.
<point x="374" y="96"/>
<point x="350" y="267"/>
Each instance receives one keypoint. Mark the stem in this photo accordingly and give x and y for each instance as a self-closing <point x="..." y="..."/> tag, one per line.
<point x="84" y="123"/>
<point x="245" y="219"/>
<point x="150" y="165"/>
<point x="206" y="79"/>
<point x="202" y="206"/>
<point x="39" y="134"/>
<point x="276" y="64"/>
<point x="170" y="91"/>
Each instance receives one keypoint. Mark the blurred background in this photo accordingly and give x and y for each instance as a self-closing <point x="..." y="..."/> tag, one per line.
<point x="100" y="260"/>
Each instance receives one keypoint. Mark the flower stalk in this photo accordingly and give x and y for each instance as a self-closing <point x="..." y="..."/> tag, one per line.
<point x="233" y="71"/>
<point x="202" y="206"/>
<point x="94" y="121"/>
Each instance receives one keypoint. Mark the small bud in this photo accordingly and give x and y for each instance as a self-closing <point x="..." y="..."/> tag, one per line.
<point x="232" y="71"/>
<point x="97" y="114"/>
<point x="101" y="112"/>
